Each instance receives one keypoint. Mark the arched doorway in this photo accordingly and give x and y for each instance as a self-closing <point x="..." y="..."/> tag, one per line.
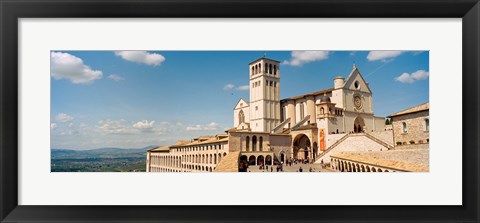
<point x="268" y="160"/>
<point x="301" y="147"/>
<point x="358" y="125"/>
<point x="252" y="161"/>
<point x="282" y="157"/>
<point x="260" y="160"/>
<point x="242" y="164"/>
<point x="254" y="143"/>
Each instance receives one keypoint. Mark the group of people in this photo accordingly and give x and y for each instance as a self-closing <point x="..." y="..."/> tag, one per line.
<point x="297" y="161"/>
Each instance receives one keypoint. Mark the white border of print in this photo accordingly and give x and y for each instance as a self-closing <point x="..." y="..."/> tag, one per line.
<point x="441" y="186"/>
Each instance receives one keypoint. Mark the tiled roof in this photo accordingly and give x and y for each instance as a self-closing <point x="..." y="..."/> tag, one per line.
<point x="326" y="91"/>
<point x="203" y="140"/>
<point x="160" y="149"/>
<point x="414" y="160"/>
<point x="418" y="108"/>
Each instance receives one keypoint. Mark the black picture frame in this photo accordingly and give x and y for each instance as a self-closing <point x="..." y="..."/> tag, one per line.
<point x="12" y="10"/>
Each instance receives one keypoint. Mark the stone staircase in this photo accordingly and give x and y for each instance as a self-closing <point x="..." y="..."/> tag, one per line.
<point x="331" y="147"/>
<point x="229" y="163"/>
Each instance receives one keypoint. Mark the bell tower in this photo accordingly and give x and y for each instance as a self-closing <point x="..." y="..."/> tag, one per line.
<point x="264" y="94"/>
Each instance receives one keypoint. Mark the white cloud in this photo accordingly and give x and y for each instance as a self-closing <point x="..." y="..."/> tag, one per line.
<point x="113" y="127"/>
<point x="410" y="78"/>
<point x="208" y="127"/>
<point x="143" y="57"/>
<point x="228" y="86"/>
<point x="62" y="117"/>
<point x="144" y="125"/>
<point x="115" y="77"/>
<point x="72" y="68"/>
<point x="244" y="88"/>
<point x="194" y="128"/>
<point x="383" y="55"/>
<point x="300" y="58"/>
<point x="53" y="125"/>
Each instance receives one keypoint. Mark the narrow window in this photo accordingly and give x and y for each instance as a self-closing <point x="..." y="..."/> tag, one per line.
<point x="427" y="124"/>
<point x="404" y="127"/>
<point x="302" y="111"/>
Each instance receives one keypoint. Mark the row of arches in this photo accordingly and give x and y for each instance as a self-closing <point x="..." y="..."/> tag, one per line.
<point x="189" y="168"/>
<point x="256" y="144"/>
<point x="256" y="160"/>
<point x="198" y="162"/>
<point x="204" y="158"/>
<point x="348" y="166"/>
<point x="268" y="69"/>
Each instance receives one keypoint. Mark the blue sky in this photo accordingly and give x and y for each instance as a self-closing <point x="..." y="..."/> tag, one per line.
<point x="132" y="99"/>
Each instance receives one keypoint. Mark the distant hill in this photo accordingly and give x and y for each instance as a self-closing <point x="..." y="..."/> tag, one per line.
<point x="99" y="153"/>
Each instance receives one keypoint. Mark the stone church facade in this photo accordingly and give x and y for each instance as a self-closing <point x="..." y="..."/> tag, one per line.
<point x="268" y="130"/>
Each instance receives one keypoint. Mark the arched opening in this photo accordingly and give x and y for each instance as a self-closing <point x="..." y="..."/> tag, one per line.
<point x="254" y="143"/>
<point x="363" y="168"/>
<point x="247" y="143"/>
<point x="243" y="164"/>
<point x="359" y="125"/>
<point x="387" y="171"/>
<point x="266" y="68"/>
<point x="404" y="127"/>
<point x="252" y="161"/>
<point x="282" y="157"/>
<point x="368" y="169"/>
<point x="261" y="143"/>
<point x="260" y="160"/>
<point x="268" y="160"/>
<point x="270" y="68"/>
<point x="373" y="169"/>
<point x="354" y="169"/>
<point x="380" y="170"/>
<point x="274" y="69"/>
<point x="301" y="147"/>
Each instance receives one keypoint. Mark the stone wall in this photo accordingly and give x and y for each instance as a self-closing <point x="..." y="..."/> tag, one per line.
<point x="416" y="130"/>
<point x="386" y="136"/>
<point x="412" y="146"/>
<point x="354" y="143"/>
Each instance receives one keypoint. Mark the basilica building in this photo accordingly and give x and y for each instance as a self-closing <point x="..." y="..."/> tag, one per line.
<point x="268" y="130"/>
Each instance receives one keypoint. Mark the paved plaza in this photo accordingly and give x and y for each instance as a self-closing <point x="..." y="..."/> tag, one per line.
<point x="293" y="168"/>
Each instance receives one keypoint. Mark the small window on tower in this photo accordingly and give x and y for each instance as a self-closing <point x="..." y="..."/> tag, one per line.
<point x="256" y="108"/>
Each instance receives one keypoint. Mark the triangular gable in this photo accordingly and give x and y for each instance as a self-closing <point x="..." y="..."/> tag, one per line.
<point x="241" y="104"/>
<point x="356" y="76"/>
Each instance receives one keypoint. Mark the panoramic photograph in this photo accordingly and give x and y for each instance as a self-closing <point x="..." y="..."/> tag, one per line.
<point x="239" y="111"/>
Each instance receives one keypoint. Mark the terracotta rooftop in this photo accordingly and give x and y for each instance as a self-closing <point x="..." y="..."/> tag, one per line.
<point x="418" y="108"/>
<point x="160" y="149"/>
<point x="410" y="160"/>
<point x="326" y="91"/>
<point x="202" y="140"/>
